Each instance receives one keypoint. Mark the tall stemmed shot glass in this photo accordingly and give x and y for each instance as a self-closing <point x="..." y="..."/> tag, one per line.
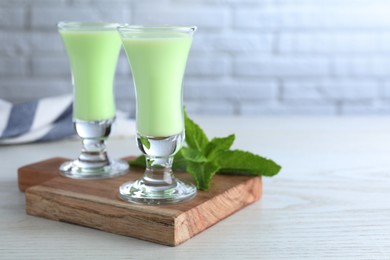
<point x="93" y="50"/>
<point x="158" y="57"/>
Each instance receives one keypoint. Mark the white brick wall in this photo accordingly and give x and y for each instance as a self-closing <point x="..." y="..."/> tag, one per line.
<point x="255" y="57"/>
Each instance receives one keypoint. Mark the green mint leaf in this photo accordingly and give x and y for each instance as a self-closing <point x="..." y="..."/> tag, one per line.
<point x="145" y="142"/>
<point x="243" y="162"/>
<point x="203" y="158"/>
<point x="223" y="143"/>
<point x="195" y="137"/>
<point x="179" y="162"/>
<point x="193" y="155"/>
<point x="138" y="162"/>
<point x="202" y="173"/>
<point x="218" y="144"/>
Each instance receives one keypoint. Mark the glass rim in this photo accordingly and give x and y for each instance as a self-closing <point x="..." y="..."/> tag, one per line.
<point x="79" y="26"/>
<point x="155" y="28"/>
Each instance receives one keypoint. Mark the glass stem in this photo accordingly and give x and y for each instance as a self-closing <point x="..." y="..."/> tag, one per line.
<point x="93" y="153"/>
<point x="159" y="171"/>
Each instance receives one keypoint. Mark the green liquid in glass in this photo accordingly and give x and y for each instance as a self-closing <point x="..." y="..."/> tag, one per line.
<point x="93" y="57"/>
<point x="158" y="63"/>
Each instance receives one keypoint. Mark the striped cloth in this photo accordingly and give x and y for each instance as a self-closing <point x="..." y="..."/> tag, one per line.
<point x="47" y="119"/>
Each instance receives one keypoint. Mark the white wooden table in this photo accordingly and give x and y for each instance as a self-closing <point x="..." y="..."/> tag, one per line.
<point x="331" y="199"/>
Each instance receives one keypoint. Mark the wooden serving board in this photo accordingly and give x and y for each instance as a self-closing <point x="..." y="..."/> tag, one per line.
<point x="95" y="203"/>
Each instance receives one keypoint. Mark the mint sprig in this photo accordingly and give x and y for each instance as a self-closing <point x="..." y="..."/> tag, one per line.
<point x="203" y="158"/>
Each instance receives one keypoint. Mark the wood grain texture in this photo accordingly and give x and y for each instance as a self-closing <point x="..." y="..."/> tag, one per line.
<point x="37" y="173"/>
<point x="95" y="204"/>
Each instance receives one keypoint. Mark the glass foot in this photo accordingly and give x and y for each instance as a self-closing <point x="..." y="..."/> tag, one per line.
<point x="73" y="169"/>
<point x="141" y="192"/>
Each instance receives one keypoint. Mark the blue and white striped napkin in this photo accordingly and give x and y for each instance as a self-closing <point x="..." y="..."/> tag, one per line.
<point x="47" y="119"/>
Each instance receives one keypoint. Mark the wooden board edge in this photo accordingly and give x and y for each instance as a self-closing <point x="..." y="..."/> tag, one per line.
<point x="244" y="194"/>
<point x="60" y="205"/>
<point x="179" y="227"/>
<point x="31" y="174"/>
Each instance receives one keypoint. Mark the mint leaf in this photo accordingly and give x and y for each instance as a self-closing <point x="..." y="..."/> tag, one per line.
<point x="179" y="162"/>
<point x="203" y="158"/>
<point x="218" y="144"/>
<point x="145" y="142"/>
<point x="140" y="161"/>
<point x="193" y="155"/>
<point x="238" y="161"/>
<point x="195" y="137"/>
<point x="202" y="173"/>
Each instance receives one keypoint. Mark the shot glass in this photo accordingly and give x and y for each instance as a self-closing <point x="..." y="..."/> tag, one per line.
<point x="158" y="57"/>
<point x="93" y="50"/>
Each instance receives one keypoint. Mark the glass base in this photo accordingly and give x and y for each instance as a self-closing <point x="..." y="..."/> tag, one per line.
<point x="72" y="169"/>
<point x="158" y="185"/>
<point x="141" y="193"/>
